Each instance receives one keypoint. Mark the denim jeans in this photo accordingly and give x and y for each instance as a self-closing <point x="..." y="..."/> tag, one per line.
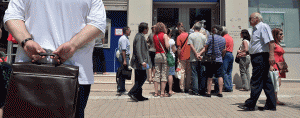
<point x="121" y="85"/>
<point x="198" y="77"/>
<point x="260" y="80"/>
<point x="227" y="70"/>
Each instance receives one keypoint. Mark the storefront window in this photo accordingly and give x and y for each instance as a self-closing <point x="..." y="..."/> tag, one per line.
<point x="282" y="14"/>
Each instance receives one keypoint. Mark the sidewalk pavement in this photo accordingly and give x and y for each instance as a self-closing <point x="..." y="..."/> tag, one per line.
<point x="108" y="105"/>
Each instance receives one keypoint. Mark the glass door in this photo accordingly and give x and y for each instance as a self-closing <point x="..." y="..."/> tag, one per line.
<point x="198" y="14"/>
<point x="169" y="16"/>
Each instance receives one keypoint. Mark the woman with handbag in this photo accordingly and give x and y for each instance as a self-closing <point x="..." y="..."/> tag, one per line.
<point x="244" y="60"/>
<point x="278" y="54"/>
<point x="161" y="42"/>
<point x="172" y="50"/>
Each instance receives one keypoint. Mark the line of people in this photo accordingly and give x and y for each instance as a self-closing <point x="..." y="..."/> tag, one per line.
<point x="188" y="51"/>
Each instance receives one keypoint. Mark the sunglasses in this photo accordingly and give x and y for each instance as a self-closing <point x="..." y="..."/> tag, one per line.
<point x="281" y="34"/>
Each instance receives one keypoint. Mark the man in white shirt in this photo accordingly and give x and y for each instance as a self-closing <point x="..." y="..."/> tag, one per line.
<point x="261" y="50"/>
<point x="124" y="49"/>
<point x="66" y="27"/>
<point x="197" y="41"/>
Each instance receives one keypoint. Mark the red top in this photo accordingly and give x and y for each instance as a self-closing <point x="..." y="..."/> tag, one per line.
<point x="278" y="55"/>
<point x="157" y="44"/>
<point x="186" y="49"/>
<point x="229" y="43"/>
<point x="5" y="59"/>
<point x="11" y="38"/>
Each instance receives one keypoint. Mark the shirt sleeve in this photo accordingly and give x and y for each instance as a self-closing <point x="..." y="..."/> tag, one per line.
<point x="266" y="34"/>
<point x="97" y="15"/>
<point x="208" y="40"/>
<point x="15" y="11"/>
<point x="123" y="44"/>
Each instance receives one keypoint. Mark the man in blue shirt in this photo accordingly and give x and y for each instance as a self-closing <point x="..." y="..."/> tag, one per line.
<point x="124" y="49"/>
<point x="261" y="50"/>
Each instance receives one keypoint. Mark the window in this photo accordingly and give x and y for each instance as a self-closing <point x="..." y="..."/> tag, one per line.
<point x="274" y="20"/>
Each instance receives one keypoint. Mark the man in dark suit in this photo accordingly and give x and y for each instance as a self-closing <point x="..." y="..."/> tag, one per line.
<point x="140" y="61"/>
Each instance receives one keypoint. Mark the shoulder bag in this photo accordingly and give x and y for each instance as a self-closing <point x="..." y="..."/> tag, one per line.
<point x="210" y="58"/>
<point x="170" y="59"/>
<point x="282" y="67"/>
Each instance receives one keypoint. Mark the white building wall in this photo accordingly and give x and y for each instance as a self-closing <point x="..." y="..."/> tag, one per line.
<point x="236" y="19"/>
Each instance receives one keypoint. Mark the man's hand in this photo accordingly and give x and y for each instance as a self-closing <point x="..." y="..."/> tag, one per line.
<point x="32" y="49"/>
<point x="144" y="64"/>
<point x="64" y="52"/>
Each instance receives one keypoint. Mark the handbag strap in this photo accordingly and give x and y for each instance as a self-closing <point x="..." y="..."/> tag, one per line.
<point x="213" y="45"/>
<point x="184" y="41"/>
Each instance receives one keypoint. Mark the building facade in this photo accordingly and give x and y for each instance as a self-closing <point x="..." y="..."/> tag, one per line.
<point x="233" y="14"/>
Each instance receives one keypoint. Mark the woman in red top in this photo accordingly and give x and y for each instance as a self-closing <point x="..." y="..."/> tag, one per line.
<point x="161" y="43"/>
<point x="278" y="54"/>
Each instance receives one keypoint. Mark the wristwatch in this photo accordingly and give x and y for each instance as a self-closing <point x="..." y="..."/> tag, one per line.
<point x="24" y="41"/>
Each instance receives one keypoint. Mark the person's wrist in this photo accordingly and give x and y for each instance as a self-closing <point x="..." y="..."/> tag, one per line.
<point x="25" y="41"/>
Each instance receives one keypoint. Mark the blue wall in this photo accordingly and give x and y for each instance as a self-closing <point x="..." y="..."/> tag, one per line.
<point x="118" y="20"/>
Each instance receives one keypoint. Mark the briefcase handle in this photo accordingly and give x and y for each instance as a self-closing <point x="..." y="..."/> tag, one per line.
<point x="47" y="59"/>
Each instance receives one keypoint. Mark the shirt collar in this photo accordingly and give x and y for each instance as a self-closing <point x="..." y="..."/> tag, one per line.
<point x="143" y="34"/>
<point x="258" y="25"/>
<point x="126" y="36"/>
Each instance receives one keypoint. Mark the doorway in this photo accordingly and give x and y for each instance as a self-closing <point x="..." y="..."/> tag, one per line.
<point x="170" y="13"/>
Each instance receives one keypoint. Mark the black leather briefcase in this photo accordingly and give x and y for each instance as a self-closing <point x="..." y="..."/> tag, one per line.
<point x="42" y="90"/>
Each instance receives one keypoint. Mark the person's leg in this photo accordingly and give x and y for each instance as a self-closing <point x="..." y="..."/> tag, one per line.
<point x="227" y="70"/>
<point x="1" y="112"/>
<point x="209" y="83"/>
<point x="133" y="90"/>
<point x="158" y="67"/>
<point x="267" y="84"/>
<point x="195" y="84"/>
<point x="83" y="95"/>
<point x="256" y="80"/>
<point x="182" y="80"/>
<point x="202" y="79"/>
<point x="102" y="61"/>
<point x="242" y="67"/>
<point x="121" y="87"/>
<point x="164" y="72"/>
<point x="220" y="75"/>
<point x="141" y="76"/>
<point x="170" y="81"/>
<point x="188" y="76"/>
<point x="95" y="61"/>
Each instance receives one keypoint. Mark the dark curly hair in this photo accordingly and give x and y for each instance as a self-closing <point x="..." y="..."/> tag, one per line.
<point x="245" y="34"/>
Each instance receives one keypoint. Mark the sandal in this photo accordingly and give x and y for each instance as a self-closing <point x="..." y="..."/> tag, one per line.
<point x="155" y="94"/>
<point x="164" y="95"/>
<point x="173" y="93"/>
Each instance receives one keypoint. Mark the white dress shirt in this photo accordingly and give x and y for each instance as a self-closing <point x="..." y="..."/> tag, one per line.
<point x="54" y="22"/>
<point x="261" y="36"/>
